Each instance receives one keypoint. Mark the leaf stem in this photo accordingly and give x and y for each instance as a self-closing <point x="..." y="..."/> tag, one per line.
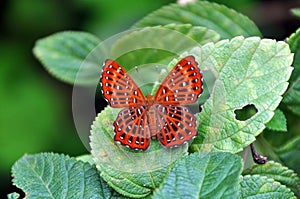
<point x="268" y="149"/>
<point x="257" y="158"/>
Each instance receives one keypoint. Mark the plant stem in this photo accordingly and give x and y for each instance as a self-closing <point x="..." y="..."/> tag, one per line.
<point x="265" y="146"/>
<point x="257" y="158"/>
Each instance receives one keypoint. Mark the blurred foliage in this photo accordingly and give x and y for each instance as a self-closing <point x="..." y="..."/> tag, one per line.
<point x="35" y="108"/>
<point x="105" y="18"/>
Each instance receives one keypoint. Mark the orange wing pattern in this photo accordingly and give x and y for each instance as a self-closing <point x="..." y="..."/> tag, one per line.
<point x="177" y="125"/>
<point x="131" y="128"/>
<point x="118" y="88"/>
<point x="183" y="84"/>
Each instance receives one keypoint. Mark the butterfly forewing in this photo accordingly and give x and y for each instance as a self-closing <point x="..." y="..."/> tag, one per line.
<point x="176" y="125"/>
<point x="131" y="128"/>
<point x="118" y="87"/>
<point x="182" y="85"/>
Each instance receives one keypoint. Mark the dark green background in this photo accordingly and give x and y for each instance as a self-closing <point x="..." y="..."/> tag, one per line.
<point x="36" y="112"/>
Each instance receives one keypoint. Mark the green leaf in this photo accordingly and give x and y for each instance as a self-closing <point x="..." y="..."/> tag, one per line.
<point x="49" y="175"/>
<point x="13" y="196"/>
<point x="261" y="187"/>
<point x="132" y="173"/>
<point x="159" y="44"/>
<point x="227" y="22"/>
<point x="296" y="12"/>
<point x="201" y="35"/>
<point x="86" y="158"/>
<point x="63" y="54"/>
<point x="203" y="175"/>
<point x="292" y="96"/>
<point x="250" y="71"/>
<point x="278" y="172"/>
<point x="289" y="154"/>
<point x="278" y="121"/>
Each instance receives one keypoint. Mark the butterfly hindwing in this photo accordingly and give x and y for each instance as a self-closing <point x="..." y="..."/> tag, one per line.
<point x="182" y="85"/>
<point x="177" y="125"/>
<point x="131" y="128"/>
<point x="118" y="87"/>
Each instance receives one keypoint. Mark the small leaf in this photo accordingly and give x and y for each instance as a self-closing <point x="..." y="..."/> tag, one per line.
<point x="64" y="54"/>
<point x="203" y="175"/>
<point x="261" y="187"/>
<point x="226" y="22"/>
<point x="248" y="72"/>
<point x="49" y="175"/>
<point x="278" y="172"/>
<point x="132" y="173"/>
<point x="292" y="96"/>
<point x="278" y="121"/>
<point x="13" y="196"/>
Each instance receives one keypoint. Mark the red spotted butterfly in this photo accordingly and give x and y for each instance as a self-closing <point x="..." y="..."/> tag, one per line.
<point x="163" y="116"/>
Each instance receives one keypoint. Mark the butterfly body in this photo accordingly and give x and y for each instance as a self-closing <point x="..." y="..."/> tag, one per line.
<point x="151" y="116"/>
<point x="161" y="116"/>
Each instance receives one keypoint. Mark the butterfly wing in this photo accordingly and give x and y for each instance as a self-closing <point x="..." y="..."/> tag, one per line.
<point x="118" y="88"/>
<point x="177" y="125"/>
<point x="121" y="91"/>
<point x="183" y="84"/>
<point x="131" y="128"/>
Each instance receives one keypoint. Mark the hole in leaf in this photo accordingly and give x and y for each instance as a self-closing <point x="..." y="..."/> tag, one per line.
<point x="245" y="112"/>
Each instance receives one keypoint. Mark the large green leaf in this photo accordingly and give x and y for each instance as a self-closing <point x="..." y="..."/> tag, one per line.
<point x="49" y="175"/>
<point x="292" y="96"/>
<point x="278" y="172"/>
<point x="203" y="175"/>
<point x="226" y="22"/>
<point x="64" y="53"/>
<point x="130" y="172"/>
<point x="159" y="44"/>
<point x="250" y="71"/>
<point x="261" y="187"/>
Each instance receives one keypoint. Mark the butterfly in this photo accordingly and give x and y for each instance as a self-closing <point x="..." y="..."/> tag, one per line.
<point x="163" y="116"/>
